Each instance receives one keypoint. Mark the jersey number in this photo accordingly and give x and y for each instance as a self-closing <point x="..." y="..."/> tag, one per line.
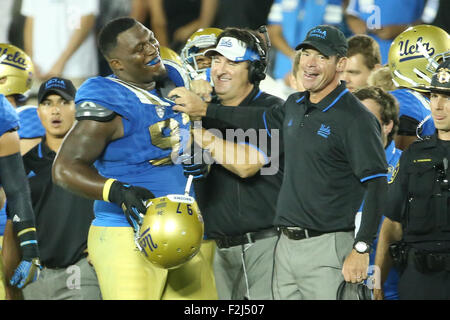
<point x="165" y="142"/>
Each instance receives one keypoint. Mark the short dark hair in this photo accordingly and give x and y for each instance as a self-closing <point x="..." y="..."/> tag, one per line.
<point x="367" y="47"/>
<point x="245" y="35"/>
<point x="107" y="37"/>
<point x="389" y="106"/>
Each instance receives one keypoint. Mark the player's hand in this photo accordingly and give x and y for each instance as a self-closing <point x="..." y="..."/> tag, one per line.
<point x="202" y="88"/>
<point x="355" y="267"/>
<point x="131" y="199"/>
<point x="27" y="272"/>
<point x="193" y="167"/>
<point x="188" y="102"/>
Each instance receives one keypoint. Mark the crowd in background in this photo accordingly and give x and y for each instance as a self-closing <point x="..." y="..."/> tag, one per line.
<point x="173" y="21"/>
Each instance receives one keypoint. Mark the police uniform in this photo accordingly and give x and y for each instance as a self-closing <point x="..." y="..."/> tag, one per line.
<point x="153" y="134"/>
<point x="420" y="201"/>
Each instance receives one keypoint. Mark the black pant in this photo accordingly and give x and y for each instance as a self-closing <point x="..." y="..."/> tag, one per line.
<point x="414" y="285"/>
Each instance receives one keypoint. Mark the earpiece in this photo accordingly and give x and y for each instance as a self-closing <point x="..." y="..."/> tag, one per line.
<point x="257" y="69"/>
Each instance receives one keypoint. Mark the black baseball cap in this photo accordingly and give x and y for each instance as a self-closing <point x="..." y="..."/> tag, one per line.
<point x="60" y="86"/>
<point x="440" y="82"/>
<point x="328" y="40"/>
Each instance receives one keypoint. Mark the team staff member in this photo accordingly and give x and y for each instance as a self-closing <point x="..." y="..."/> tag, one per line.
<point x="333" y="156"/>
<point x="239" y="212"/>
<point x="62" y="217"/>
<point x="13" y="180"/>
<point x="131" y="134"/>
<point x="363" y="58"/>
<point x="418" y="212"/>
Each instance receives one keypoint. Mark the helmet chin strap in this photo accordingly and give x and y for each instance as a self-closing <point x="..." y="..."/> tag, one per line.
<point x="188" y="185"/>
<point x="420" y="126"/>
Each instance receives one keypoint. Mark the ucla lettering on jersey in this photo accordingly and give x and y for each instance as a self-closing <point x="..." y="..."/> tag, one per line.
<point x="154" y="136"/>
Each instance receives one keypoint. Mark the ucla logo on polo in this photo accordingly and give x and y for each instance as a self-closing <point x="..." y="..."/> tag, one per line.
<point x="318" y="33"/>
<point x="324" y="131"/>
<point x="408" y="50"/>
<point x="15" y="60"/>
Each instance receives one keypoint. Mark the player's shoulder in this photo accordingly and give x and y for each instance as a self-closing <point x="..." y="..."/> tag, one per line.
<point x="408" y="96"/>
<point x="8" y="115"/>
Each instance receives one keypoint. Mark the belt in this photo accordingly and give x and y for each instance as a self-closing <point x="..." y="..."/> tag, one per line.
<point x="296" y="233"/>
<point x="249" y="237"/>
<point x="429" y="261"/>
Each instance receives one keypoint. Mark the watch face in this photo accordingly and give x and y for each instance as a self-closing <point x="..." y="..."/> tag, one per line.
<point x="361" y="246"/>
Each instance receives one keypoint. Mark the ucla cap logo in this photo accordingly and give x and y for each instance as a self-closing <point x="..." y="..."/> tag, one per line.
<point x="224" y="42"/>
<point x="13" y="59"/>
<point x="318" y="33"/>
<point x="409" y="51"/>
<point x="52" y="83"/>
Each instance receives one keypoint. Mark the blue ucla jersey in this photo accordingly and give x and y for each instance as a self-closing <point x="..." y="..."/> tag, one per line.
<point x="296" y="18"/>
<point x="8" y="116"/>
<point x="154" y="135"/>
<point x="381" y="13"/>
<point x="390" y="286"/>
<point x="412" y="104"/>
<point x="30" y="124"/>
<point x="8" y="121"/>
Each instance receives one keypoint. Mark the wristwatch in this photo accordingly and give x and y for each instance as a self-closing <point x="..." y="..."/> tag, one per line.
<point x="361" y="247"/>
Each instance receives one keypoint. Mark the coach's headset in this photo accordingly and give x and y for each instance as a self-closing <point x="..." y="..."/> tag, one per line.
<point x="257" y="68"/>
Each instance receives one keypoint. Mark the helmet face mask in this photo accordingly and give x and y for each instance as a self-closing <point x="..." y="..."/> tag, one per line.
<point x="415" y="54"/>
<point x="201" y="39"/>
<point x="16" y="71"/>
<point x="172" y="231"/>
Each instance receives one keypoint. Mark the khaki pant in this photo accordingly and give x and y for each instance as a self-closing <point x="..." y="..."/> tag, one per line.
<point x="310" y="269"/>
<point x="76" y="282"/>
<point x="245" y="271"/>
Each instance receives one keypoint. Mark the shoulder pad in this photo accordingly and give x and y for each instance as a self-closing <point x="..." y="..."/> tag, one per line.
<point x="88" y="110"/>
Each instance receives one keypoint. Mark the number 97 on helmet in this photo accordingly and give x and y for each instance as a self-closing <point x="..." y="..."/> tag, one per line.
<point x="172" y="231"/>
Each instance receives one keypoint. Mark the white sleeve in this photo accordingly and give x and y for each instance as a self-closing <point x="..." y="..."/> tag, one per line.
<point x="28" y="7"/>
<point x="87" y="7"/>
<point x="276" y="13"/>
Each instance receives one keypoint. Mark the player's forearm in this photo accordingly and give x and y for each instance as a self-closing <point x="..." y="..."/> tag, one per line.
<point x="78" y="177"/>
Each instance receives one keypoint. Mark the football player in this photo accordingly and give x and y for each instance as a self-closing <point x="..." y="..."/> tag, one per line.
<point x="199" y="65"/>
<point x="13" y="180"/>
<point x="128" y="130"/>
<point x="16" y="73"/>
<point x="413" y="58"/>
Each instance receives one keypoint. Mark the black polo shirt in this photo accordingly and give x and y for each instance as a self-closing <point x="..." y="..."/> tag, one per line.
<point x="331" y="148"/>
<point x="231" y="205"/>
<point x="62" y="218"/>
